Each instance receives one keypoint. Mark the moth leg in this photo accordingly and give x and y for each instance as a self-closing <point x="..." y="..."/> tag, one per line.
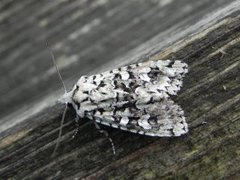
<point x="77" y="119"/>
<point x="105" y="134"/>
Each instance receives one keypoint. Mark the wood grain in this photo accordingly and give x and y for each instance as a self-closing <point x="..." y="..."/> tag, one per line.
<point x="88" y="37"/>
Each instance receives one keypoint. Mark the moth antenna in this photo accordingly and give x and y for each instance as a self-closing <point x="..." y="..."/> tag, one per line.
<point x="66" y="105"/>
<point x="57" y="69"/>
<point x="60" y="131"/>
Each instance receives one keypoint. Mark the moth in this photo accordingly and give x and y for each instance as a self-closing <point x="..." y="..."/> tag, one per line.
<point x="134" y="98"/>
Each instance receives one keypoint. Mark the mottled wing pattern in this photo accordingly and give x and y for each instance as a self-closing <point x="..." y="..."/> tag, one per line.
<point x="161" y="119"/>
<point x="134" y="98"/>
<point x="142" y="82"/>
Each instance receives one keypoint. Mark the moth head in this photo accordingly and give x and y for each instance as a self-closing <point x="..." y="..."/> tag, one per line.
<point x="66" y="98"/>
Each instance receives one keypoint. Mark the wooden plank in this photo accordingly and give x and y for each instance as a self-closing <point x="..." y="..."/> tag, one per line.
<point x="91" y="36"/>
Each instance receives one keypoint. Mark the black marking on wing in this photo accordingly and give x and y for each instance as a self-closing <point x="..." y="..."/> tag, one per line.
<point x="117" y="76"/>
<point x="170" y="64"/>
<point x="157" y="119"/>
<point x="75" y="90"/>
<point x="153" y="74"/>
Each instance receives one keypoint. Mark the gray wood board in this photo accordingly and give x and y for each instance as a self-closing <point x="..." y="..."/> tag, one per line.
<point x="89" y="37"/>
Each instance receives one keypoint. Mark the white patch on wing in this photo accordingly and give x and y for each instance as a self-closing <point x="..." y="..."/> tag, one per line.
<point x="124" y="121"/>
<point x="143" y="122"/>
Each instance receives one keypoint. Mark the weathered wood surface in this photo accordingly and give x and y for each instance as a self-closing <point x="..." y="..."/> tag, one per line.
<point x="91" y="36"/>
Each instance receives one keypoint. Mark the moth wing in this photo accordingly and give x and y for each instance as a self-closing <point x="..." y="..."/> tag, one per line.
<point x="155" y="76"/>
<point x="163" y="119"/>
<point x="143" y="82"/>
